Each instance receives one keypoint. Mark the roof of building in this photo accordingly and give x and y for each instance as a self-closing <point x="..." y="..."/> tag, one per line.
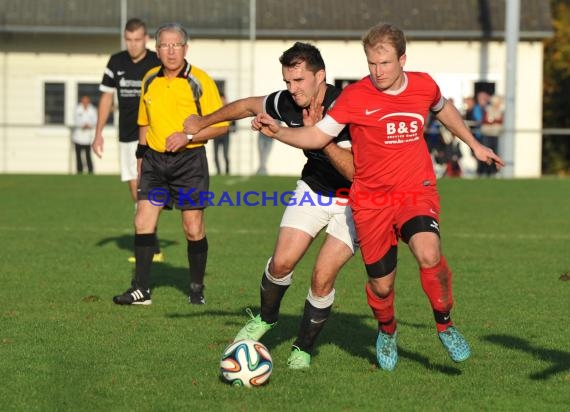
<point x="276" y="19"/>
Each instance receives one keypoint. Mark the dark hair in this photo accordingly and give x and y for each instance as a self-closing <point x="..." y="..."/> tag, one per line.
<point x="385" y="33"/>
<point x="134" y="24"/>
<point x="303" y="52"/>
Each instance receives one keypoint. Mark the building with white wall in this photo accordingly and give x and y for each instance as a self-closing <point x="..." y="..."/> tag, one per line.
<point x="52" y="50"/>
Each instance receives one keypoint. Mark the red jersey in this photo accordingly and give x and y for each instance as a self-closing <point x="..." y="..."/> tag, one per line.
<point x="387" y="129"/>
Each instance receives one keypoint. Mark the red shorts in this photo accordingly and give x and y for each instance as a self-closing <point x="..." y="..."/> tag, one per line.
<point x="379" y="229"/>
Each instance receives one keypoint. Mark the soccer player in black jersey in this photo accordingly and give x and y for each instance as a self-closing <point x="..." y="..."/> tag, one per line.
<point x="325" y="173"/>
<point x="124" y="73"/>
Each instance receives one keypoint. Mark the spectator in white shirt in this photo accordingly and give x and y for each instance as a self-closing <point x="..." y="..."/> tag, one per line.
<point x="83" y="133"/>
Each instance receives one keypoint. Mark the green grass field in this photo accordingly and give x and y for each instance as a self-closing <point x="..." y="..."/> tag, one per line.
<point x="65" y="346"/>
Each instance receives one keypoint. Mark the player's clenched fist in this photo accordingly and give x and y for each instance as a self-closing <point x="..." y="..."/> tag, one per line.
<point x="265" y="124"/>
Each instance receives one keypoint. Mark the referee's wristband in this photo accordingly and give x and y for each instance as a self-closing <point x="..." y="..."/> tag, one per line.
<point x="189" y="137"/>
<point x="141" y="150"/>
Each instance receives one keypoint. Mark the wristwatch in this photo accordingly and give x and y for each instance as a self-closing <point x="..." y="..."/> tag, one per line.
<point x="189" y="137"/>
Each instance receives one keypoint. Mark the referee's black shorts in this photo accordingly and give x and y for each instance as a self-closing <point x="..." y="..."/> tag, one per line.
<point x="178" y="180"/>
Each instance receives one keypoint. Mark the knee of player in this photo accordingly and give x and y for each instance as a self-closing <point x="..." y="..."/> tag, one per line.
<point x="280" y="267"/>
<point x="194" y="231"/>
<point x="320" y="289"/>
<point x="428" y="257"/>
<point x="194" y="235"/>
<point x="382" y="289"/>
<point x="322" y="283"/>
<point x="142" y="225"/>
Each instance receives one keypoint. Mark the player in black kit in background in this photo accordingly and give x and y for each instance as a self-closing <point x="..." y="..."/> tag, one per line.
<point x="325" y="173"/>
<point x="124" y="72"/>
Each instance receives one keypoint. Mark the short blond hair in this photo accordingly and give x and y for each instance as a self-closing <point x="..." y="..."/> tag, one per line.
<point x="385" y="33"/>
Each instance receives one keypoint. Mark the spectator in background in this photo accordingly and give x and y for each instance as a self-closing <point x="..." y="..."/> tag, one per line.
<point x="478" y="114"/>
<point x="468" y="105"/>
<point x="85" y="120"/>
<point x="432" y="133"/>
<point x="467" y="161"/>
<point x="435" y="145"/>
<point x="451" y="152"/>
<point x="264" y="145"/>
<point x="223" y="143"/>
<point x="491" y="129"/>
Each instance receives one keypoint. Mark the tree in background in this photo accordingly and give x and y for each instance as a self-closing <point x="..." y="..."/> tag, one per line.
<point x="556" y="106"/>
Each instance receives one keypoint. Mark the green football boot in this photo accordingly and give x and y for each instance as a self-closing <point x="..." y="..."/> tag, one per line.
<point x="255" y="328"/>
<point x="299" y="359"/>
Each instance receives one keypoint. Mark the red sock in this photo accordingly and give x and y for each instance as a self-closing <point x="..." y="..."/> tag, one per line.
<point x="383" y="310"/>
<point x="436" y="282"/>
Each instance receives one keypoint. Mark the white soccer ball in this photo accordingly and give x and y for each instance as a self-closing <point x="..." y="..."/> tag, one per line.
<point x="246" y="363"/>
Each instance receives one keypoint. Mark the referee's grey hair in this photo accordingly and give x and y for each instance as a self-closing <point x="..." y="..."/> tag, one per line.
<point x="177" y="27"/>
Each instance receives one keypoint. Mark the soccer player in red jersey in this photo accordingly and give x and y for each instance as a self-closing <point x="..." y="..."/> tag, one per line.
<point x="393" y="195"/>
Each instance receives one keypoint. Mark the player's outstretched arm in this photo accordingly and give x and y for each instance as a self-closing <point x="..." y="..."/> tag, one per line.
<point x="239" y="109"/>
<point x="451" y="119"/>
<point x="178" y="140"/>
<point x="307" y="137"/>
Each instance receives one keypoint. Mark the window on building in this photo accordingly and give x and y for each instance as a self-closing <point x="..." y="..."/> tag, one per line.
<point x="92" y="90"/>
<point x="221" y="86"/>
<point x="342" y="83"/>
<point x="54" y="103"/>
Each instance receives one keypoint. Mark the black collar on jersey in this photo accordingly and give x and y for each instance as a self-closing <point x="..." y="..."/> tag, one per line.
<point x="329" y="93"/>
<point x="182" y="73"/>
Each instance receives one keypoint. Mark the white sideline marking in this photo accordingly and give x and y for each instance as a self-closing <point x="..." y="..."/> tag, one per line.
<point x="236" y="180"/>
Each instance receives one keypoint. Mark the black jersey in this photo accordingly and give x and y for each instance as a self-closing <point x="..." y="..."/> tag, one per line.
<point x="125" y="76"/>
<point x="321" y="176"/>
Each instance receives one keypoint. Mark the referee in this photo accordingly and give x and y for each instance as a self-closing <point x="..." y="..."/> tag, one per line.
<point x="170" y="163"/>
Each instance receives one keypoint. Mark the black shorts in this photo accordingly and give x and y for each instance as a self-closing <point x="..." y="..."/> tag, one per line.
<point x="175" y="180"/>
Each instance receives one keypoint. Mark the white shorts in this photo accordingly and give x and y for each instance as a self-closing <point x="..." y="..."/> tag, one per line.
<point x="311" y="216"/>
<point x="128" y="160"/>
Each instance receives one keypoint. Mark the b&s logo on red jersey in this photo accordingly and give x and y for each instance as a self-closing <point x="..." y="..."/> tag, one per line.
<point x="402" y="127"/>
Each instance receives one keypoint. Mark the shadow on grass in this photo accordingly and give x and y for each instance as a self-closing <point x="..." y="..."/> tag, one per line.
<point x="161" y="274"/>
<point x="560" y="360"/>
<point x="414" y="325"/>
<point x="426" y="363"/>
<point x="127" y="242"/>
<point x="349" y="332"/>
<point x="164" y="274"/>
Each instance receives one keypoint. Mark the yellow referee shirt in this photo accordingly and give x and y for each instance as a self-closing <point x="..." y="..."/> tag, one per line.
<point x="166" y="103"/>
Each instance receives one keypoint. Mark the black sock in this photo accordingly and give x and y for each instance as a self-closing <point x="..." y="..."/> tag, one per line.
<point x="197" y="257"/>
<point x="314" y="320"/>
<point x="271" y="295"/>
<point x="157" y="244"/>
<point x="442" y="320"/>
<point x="144" y="249"/>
